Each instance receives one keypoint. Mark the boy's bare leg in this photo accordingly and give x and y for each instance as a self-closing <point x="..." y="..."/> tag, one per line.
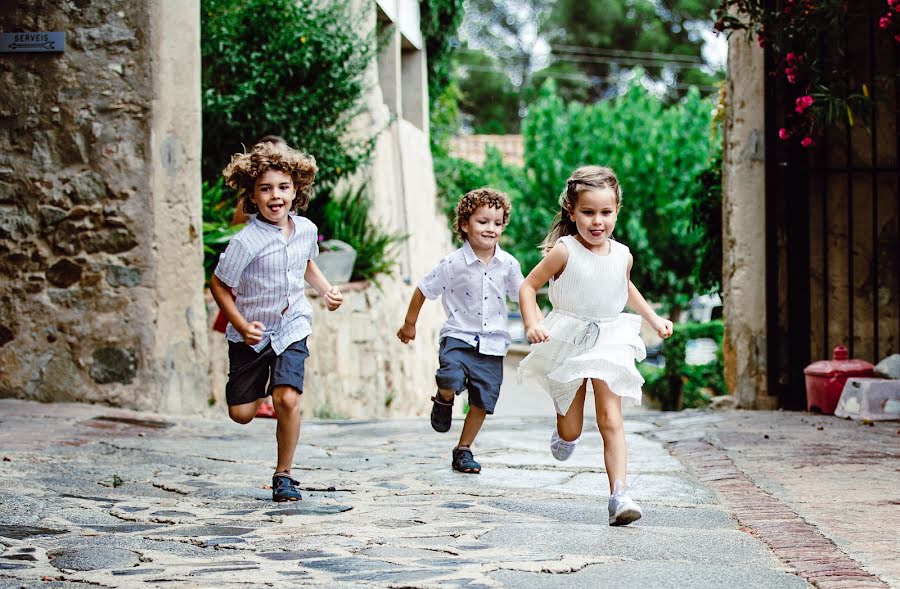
<point x="447" y="394"/>
<point x="286" y="400"/>
<point x="471" y="427"/>
<point x="609" y="421"/>
<point x="569" y="426"/>
<point x="244" y="413"/>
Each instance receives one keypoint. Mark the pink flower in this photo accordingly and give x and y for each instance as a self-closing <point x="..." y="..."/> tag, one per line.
<point x="806" y="141"/>
<point x="783" y="134"/>
<point x="321" y="237"/>
<point x="761" y="40"/>
<point x="791" y="57"/>
<point x="884" y="22"/>
<point x="897" y="38"/>
<point x="791" y="74"/>
<point x="803" y="103"/>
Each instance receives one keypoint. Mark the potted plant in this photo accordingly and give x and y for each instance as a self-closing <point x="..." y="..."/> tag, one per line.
<point x="336" y="259"/>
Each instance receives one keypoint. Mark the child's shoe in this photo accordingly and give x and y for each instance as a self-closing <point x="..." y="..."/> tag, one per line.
<point x="464" y="461"/>
<point x="284" y="488"/>
<point x="441" y="413"/>
<point x="560" y="448"/>
<point x="622" y="509"/>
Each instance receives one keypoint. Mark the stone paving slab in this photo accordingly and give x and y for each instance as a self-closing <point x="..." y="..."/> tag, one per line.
<point x="121" y="499"/>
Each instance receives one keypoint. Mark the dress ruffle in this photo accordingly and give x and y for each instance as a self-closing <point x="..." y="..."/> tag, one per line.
<point x="582" y="347"/>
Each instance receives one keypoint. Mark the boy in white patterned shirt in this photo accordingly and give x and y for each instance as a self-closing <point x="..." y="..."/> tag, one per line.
<point x="474" y="282"/>
<point x="268" y="323"/>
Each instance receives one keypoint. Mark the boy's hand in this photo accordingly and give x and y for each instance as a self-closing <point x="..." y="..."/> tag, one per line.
<point x="537" y="334"/>
<point x="333" y="298"/>
<point x="407" y="333"/>
<point x="663" y="327"/>
<point x="252" y="332"/>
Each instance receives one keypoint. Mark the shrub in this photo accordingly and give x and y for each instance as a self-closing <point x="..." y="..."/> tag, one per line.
<point x="681" y="385"/>
<point x="347" y="218"/>
<point x="217" y="228"/>
<point x="288" y="67"/>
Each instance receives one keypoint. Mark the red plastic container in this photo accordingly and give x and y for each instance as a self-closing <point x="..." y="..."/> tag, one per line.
<point x="825" y="379"/>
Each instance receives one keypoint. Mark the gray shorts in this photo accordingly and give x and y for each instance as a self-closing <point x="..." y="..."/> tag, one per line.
<point x="465" y="368"/>
<point x="248" y="371"/>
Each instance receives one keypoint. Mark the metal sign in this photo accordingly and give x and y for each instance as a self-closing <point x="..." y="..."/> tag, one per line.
<point x="32" y="42"/>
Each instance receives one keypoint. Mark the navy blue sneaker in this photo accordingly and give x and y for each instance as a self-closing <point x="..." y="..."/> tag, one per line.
<point x="464" y="461"/>
<point x="284" y="488"/>
<point x="441" y="413"/>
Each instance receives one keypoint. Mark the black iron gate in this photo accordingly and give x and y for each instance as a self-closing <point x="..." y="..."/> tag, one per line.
<point x="832" y="223"/>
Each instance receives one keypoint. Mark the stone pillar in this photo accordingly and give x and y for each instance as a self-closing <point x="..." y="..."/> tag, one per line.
<point x="100" y="234"/>
<point x="743" y="220"/>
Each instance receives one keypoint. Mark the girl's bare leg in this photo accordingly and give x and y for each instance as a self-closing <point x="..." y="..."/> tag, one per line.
<point x="609" y="421"/>
<point x="569" y="426"/>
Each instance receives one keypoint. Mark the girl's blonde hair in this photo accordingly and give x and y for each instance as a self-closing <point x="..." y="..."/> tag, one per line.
<point x="244" y="169"/>
<point x="474" y="199"/>
<point x="583" y="179"/>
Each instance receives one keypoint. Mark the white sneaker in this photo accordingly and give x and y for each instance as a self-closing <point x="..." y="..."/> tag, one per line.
<point x="623" y="510"/>
<point x="560" y="448"/>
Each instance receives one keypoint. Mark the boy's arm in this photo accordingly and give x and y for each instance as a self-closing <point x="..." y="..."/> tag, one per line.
<point x="552" y="264"/>
<point x="407" y="332"/>
<point x="315" y="278"/>
<point x="251" y="332"/>
<point x="636" y="301"/>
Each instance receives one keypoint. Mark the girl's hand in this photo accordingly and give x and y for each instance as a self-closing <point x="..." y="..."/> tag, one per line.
<point x="407" y="333"/>
<point x="333" y="298"/>
<point x="537" y="334"/>
<point x="252" y="332"/>
<point x="663" y="327"/>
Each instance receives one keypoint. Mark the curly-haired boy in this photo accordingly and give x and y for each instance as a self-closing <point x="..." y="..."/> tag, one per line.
<point x="265" y="265"/>
<point x="474" y="282"/>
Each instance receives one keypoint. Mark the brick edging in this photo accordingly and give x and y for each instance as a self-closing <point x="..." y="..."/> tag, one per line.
<point x="796" y="543"/>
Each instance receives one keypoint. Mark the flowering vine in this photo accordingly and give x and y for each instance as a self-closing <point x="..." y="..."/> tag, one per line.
<point x="801" y="37"/>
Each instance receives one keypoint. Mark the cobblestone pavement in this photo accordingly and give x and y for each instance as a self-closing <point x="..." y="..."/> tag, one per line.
<point x="92" y="496"/>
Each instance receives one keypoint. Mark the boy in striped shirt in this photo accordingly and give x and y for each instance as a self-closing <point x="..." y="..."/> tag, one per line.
<point x="265" y="265"/>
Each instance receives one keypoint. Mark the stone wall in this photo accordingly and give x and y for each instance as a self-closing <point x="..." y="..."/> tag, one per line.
<point x="743" y="224"/>
<point x="357" y="367"/>
<point x="100" y="253"/>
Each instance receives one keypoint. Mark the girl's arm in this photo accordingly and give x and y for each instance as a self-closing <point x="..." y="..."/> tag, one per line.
<point x="315" y="278"/>
<point x="251" y="332"/>
<point x="552" y="264"/>
<point x="407" y="332"/>
<point x="636" y="301"/>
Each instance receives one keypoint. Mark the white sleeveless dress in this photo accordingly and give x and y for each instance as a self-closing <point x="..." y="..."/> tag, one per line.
<point x="590" y="336"/>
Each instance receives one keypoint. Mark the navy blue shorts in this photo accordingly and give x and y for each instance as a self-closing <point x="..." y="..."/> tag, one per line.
<point x="248" y="371"/>
<point x="465" y="368"/>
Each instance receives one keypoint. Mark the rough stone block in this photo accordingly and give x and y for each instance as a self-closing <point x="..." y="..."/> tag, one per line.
<point x="112" y="364"/>
<point x="123" y="276"/>
<point x="64" y="273"/>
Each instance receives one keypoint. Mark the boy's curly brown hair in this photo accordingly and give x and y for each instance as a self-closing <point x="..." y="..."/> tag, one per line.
<point x="474" y="199"/>
<point x="244" y="169"/>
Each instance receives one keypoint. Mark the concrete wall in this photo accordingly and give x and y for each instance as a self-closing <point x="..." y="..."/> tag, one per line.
<point x="100" y="253"/>
<point x="743" y="220"/>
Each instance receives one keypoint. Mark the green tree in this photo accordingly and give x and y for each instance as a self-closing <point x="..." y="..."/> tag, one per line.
<point x="659" y="153"/>
<point x="488" y="96"/>
<point x="439" y="21"/>
<point x="605" y="38"/>
<point x="289" y="67"/>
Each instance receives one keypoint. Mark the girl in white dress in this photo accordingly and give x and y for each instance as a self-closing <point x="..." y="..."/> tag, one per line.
<point x="587" y="337"/>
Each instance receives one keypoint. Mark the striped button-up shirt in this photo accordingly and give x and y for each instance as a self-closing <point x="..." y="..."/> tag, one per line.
<point x="474" y="297"/>
<point x="265" y="270"/>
